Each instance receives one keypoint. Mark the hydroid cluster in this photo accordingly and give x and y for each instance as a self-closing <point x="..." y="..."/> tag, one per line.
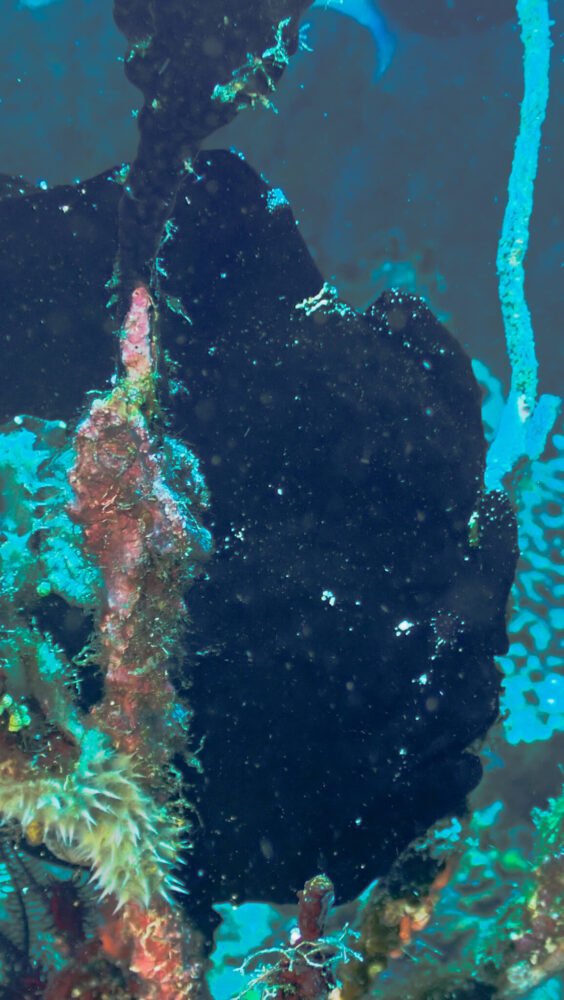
<point x="99" y="816"/>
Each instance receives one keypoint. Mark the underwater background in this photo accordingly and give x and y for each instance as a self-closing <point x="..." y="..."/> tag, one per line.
<point x="397" y="176"/>
<point x="391" y="139"/>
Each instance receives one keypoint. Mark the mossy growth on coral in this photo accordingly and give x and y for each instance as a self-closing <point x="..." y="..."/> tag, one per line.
<point x="63" y="784"/>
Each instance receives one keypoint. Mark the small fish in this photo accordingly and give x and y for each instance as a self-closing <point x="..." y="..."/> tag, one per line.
<point x="366" y="13"/>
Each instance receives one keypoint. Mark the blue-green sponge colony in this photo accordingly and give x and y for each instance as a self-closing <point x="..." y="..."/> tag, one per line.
<point x="41" y="557"/>
<point x="533" y="695"/>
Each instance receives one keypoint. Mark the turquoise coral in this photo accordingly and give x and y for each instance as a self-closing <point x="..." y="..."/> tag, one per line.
<point x="40" y="546"/>
<point x="533" y="692"/>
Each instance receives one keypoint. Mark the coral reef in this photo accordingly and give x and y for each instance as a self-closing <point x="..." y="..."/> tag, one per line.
<point x="96" y="795"/>
<point x="536" y="918"/>
<point x="104" y="790"/>
<point x="305" y="969"/>
<point x="347" y="629"/>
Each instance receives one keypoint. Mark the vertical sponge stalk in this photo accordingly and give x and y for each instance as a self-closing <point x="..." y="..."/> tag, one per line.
<point x="525" y="422"/>
<point x="512" y="248"/>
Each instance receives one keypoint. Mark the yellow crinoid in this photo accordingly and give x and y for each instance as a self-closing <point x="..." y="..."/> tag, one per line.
<point x="99" y="815"/>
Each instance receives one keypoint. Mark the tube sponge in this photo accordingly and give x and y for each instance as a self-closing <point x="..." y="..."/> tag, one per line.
<point x="526" y="421"/>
